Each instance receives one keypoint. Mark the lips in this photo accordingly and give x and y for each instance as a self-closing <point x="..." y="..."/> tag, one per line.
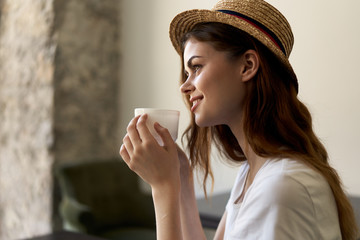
<point x="195" y="102"/>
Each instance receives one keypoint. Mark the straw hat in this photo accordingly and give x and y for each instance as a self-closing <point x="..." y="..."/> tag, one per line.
<point x="256" y="17"/>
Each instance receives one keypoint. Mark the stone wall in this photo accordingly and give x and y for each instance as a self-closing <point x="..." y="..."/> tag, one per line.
<point x="26" y="117"/>
<point x="86" y="79"/>
<point x="59" y="62"/>
<point x="86" y="82"/>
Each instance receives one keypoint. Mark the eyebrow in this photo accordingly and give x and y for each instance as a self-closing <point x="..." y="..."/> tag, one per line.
<point x="189" y="64"/>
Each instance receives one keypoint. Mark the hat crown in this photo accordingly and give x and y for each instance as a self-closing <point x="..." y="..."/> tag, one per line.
<point x="258" y="18"/>
<point x="265" y="14"/>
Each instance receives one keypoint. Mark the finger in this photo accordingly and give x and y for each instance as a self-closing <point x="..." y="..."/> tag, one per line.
<point x="124" y="154"/>
<point x="128" y="145"/>
<point x="164" y="134"/>
<point x="144" y="131"/>
<point x="133" y="132"/>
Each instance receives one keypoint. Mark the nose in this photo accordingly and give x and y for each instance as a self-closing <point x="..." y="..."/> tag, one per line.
<point x="187" y="87"/>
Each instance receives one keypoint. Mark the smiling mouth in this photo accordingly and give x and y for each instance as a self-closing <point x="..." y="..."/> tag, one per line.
<point x="195" y="102"/>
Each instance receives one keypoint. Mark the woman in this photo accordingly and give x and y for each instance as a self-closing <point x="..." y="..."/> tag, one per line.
<point x="242" y="94"/>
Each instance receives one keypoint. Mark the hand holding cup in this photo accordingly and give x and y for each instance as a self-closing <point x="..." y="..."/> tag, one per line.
<point x="166" y="118"/>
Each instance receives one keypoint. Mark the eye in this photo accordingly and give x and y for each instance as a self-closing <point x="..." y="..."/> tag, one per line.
<point x="196" y="68"/>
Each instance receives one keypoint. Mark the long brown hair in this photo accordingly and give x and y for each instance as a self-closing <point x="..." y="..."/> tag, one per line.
<point x="276" y="122"/>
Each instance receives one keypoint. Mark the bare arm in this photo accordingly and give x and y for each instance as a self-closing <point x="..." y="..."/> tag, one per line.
<point x="159" y="166"/>
<point x="167" y="212"/>
<point x="219" y="235"/>
<point x="190" y="219"/>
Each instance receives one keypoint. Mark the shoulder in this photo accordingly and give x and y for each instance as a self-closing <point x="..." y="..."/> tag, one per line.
<point x="288" y="200"/>
<point x="290" y="173"/>
<point x="294" y="186"/>
<point x="290" y="183"/>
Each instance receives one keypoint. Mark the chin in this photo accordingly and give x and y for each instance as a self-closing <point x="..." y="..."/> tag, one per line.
<point x="199" y="121"/>
<point x="201" y="125"/>
<point x="202" y="122"/>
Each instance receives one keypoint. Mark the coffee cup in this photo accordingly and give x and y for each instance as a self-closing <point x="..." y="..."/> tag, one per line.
<point x="167" y="118"/>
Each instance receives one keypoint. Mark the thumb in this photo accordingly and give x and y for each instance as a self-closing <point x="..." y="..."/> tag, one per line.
<point x="164" y="134"/>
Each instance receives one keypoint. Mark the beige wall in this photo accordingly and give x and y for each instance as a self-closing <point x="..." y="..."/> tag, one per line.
<point x="325" y="58"/>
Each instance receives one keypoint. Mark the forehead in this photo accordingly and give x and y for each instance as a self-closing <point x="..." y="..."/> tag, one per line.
<point x="194" y="47"/>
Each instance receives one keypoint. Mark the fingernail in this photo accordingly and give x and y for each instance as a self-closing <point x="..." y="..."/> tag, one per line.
<point x="158" y="125"/>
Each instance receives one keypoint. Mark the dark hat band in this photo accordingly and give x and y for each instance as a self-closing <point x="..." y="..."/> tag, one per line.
<point x="259" y="26"/>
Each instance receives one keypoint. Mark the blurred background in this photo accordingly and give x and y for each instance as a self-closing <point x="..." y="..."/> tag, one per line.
<point x="72" y="72"/>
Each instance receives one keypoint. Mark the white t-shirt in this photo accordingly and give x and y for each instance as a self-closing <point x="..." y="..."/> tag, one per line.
<point x="287" y="200"/>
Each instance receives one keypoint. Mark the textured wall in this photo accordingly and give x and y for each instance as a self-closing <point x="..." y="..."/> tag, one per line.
<point x="26" y="108"/>
<point x="59" y="73"/>
<point x="86" y="79"/>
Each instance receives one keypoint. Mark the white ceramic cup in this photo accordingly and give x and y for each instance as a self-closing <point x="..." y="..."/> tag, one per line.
<point x="167" y="118"/>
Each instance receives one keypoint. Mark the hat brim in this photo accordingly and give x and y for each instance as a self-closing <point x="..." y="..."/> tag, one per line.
<point x="185" y="22"/>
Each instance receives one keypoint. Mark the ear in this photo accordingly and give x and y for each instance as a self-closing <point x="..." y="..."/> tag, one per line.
<point x="250" y="65"/>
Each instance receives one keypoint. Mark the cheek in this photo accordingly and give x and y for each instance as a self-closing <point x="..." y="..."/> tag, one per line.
<point x="205" y="82"/>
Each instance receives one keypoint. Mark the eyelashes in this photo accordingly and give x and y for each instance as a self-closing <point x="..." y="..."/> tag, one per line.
<point x="194" y="69"/>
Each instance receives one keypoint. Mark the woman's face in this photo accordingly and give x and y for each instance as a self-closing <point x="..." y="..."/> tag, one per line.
<point x="214" y="84"/>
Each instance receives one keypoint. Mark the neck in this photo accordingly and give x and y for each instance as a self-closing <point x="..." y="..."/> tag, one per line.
<point x="255" y="161"/>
